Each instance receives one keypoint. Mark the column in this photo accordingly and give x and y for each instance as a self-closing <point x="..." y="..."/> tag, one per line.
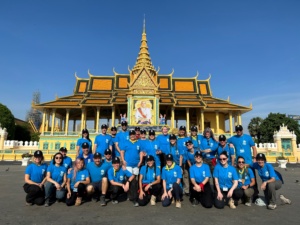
<point x="85" y="118"/>
<point x="43" y="122"/>
<point x="235" y="120"/>
<point x="82" y="119"/>
<point x="187" y="119"/>
<point x="48" y="119"/>
<point x="74" y="125"/>
<point x="113" y="112"/>
<point x="97" y="119"/>
<point x="230" y="123"/>
<point x="67" y="122"/>
<point x="53" y="119"/>
<point x="217" y="122"/>
<point x="172" y="117"/>
<point x="60" y="123"/>
<point x="202" y="120"/>
<point x="239" y="118"/>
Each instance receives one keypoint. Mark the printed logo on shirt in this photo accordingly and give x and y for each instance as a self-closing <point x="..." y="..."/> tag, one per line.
<point x="153" y="175"/>
<point x="121" y="177"/>
<point x="155" y="147"/>
<point x="199" y="142"/>
<point x="167" y="139"/>
<point x="66" y="165"/>
<point x="106" y="140"/>
<point x="175" y="174"/>
<point x="203" y="173"/>
<point x="211" y="144"/>
<point x="127" y="137"/>
<point x="82" y="177"/>
<point x="267" y="174"/>
<point x="43" y="171"/>
<point x="183" y="143"/>
<point x="102" y="172"/>
<point x="229" y="175"/>
<point x="61" y="173"/>
<point x="137" y="147"/>
<point x="244" y="142"/>
<point x="177" y="152"/>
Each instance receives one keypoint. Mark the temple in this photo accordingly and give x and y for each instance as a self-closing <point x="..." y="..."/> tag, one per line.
<point x="147" y="97"/>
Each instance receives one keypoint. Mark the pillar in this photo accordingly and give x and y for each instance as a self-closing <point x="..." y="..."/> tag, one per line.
<point x="82" y="119"/>
<point x="217" y="122"/>
<point x="74" y="125"/>
<point x="43" y="122"/>
<point x="48" y="119"/>
<point x="239" y="118"/>
<point x="67" y="122"/>
<point x="113" y="112"/>
<point x="97" y="119"/>
<point x="202" y="120"/>
<point x="230" y="123"/>
<point x="188" y="119"/>
<point x="172" y="117"/>
<point x="53" y="120"/>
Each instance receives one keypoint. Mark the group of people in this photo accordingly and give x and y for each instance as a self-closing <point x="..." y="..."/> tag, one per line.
<point x="158" y="168"/>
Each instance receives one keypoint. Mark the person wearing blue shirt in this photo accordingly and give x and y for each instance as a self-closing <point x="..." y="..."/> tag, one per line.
<point x="271" y="181"/>
<point x="226" y="181"/>
<point x="86" y="156"/>
<point x="245" y="183"/>
<point x="149" y="182"/>
<point x="107" y="161"/>
<point x="164" y="143"/>
<point x="171" y="181"/>
<point x="196" y="138"/>
<point x="77" y="180"/>
<point x="223" y="146"/>
<point x="113" y="133"/>
<point x="56" y="180"/>
<point x="190" y="160"/>
<point x="35" y="177"/>
<point x="102" y="141"/>
<point x="121" y="137"/>
<point x="84" y="139"/>
<point x="174" y="151"/>
<point x="119" y="178"/>
<point x="151" y="147"/>
<point x="181" y="142"/>
<point x="98" y="176"/>
<point x="201" y="190"/>
<point x="67" y="161"/>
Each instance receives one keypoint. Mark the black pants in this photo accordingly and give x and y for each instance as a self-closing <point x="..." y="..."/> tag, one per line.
<point x="133" y="190"/>
<point x="35" y="194"/>
<point x="80" y="193"/>
<point x="221" y="203"/>
<point x="115" y="191"/>
<point x="255" y="187"/>
<point x="154" y="190"/>
<point x="177" y="193"/>
<point x="204" y="197"/>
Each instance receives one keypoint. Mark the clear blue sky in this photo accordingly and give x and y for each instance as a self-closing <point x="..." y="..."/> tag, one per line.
<point x="251" y="48"/>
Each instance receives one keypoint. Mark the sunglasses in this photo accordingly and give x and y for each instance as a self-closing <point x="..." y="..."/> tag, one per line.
<point x="241" y="162"/>
<point x="238" y="130"/>
<point x="189" y="144"/>
<point x="58" y="157"/>
<point x="107" y="153"/>
<point x="222" y="159"/>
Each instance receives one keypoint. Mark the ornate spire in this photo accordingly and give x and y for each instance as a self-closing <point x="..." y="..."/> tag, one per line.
<point x="143" y="59"/>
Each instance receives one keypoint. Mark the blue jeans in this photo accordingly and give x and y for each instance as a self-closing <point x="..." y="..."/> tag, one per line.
<point x="52" y="192"/>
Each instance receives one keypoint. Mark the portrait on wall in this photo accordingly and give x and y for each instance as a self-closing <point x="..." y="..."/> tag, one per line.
<point x="143" y="111"/>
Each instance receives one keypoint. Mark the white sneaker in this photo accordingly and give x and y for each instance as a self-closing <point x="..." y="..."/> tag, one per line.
<point x="231" y="204"/>
<point x="153" y="200"/>
<point x="260" y="202"/>
<point x="178" y="204"/>
<point x="248" y="202"/>
<point x="272" y="206"/>
<point x="285" y="200"/>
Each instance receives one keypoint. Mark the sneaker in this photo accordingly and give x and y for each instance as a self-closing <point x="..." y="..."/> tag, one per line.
<point x="153" y="200"/>
<point x="284" y="200"/>
<point x="195" y="202"/>
<point x="231" y="204"/>
<point x="28" y="204"/>
<point x="135" y="204"/>
<point x="260" y="202"/>
<point x="173" y="200"/>
<point x="102" y="201"/>
<point x="248" y="201"/>
<point x="114" y="202"/>
<point x="95" y="199"/>
<point x="47" y="203"/>
<point x="78" y="201"/>
<point x="272" y="206"/>
<point x="178" y="204"/>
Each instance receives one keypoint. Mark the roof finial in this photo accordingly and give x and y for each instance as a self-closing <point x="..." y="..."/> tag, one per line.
<point x="144" y="26"/>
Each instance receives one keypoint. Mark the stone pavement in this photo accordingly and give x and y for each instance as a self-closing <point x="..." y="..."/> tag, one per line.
<point x="14" y="211"/>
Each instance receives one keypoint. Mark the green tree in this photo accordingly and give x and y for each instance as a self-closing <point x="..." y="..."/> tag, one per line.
<point x="35" y="136"/>
<point x="7" y="120"/>
<point x="273" y="122"/>
<point x="22" y="133"/>
<point x="254" y="128"/>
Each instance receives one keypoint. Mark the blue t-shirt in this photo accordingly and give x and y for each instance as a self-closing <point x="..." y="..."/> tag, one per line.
<point x="149" y="175"/>
<point x="150" y="147"/>
<point x="182" y="147"/>
<point x="242" y="145"/>
<point x="267" y="172"/>
<point x="196" y="141"/>
<point x="191" y="156"/>
<point x="88" y="159"/>
<point x="121" y="138"/>
<point x="131" y="153"/>
<point x="115" y="153"/>
<point x="118" y="176"/>
<point x="97" y="172"/>
<point x="199" y="173"/>
<point x="174" y="151"/>
<point x="248" y="176"/>
<point x="229" y="150"/>
<point x="209" y="144"/>
<point x="103" y="141"/>
<point x="57" y="173"/>
<point x="80" y="141"/>
<point x="164" y="142"/>
<point x="81" y="175"/>
<point x="107" y="164"/>
<point x="36" y="173"/>
<point x="225" y="176"/>
<point x="171" y="175"/>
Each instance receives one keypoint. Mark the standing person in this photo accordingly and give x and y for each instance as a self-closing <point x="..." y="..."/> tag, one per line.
<point x="196" y="138"/>
<point x="77" y="180"/>
<point x="151" y="147"/>
<point x="270" y="181"/>
<point x="223" y="146"/>
<point x="190" y="154"/>
<point x="107" y="161"/>
<point x="56" y="180"/>
<point x="171" y="180"/>
<point x="113" y="133"/>
<point x="98" y="176"/>
<point x="173" y="150"/>
<point x="102" y="141"/>
<point x="119" y="178"/>
<point x="35" y="177"/>
<point x="84" y="139"/>
<point x="243" y="143"/>
<point x="121" y="138"/>
<point x="164" y="143"/>
<point x="132" y="159"/>
<point x="149" y="182"/>
<point x="137" y="133"/>
<point x="226" y="181"/>
<point x="67" y="161"/>
<point x="86" y="156"/>
<point x="201" y="190"/>
<point x="246" y="182"/>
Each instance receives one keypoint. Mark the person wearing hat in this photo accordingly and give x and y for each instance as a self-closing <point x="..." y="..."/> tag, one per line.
<point x="113" y="133"/>
<point x="86" y="155"/>
<point x="174" y="151"/>
<point x="196" y="138"/>
<point x="171" y="181"/>
<point x="137" y="133"/>
<point x="119" y="178"/>
<point x="164" y="143"/>
<point x="107" y="161"/>
<point x="77" y="180"/>
<point x="102" y="141"/>
<point x="190" y="154"/>
<point x="226" y="181"/>
<point x="223" y="146"/>
<point x="56" y="180"/>
<point x="201" y="190"/>
<point x="84" y="139"/>
<point x="132" y="158"/>
<point x="98" y="176"/>
<point x="35" y="177"/>
<point x="121" y="137"/>
<point x="149" y="182"/>
<point x="271" y="181"/>
<point x="151" y="147"/>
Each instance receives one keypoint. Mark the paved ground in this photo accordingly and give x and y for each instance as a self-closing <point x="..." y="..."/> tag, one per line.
<point x="14" y="211"/>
